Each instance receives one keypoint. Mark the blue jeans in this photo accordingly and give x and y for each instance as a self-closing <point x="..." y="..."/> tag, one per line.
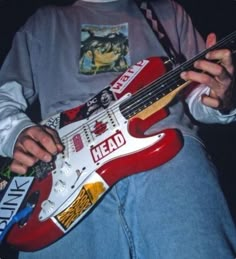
<point x="174" y="211"/>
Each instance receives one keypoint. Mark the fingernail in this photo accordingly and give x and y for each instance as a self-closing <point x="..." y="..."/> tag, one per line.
<point x="60" y="147"/>
<point x="47" y="158"/>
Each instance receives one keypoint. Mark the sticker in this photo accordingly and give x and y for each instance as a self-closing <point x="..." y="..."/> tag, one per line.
<point x="104" y="48"/>
<point x="108" y="146"/>
<point x="125" y="79"/>
<point x="3" y="184"/>
<point x="52" y="122"/>
<point x="86" y="198"/>
<point x="78" y="143"/>
<point x="13" y="199"/>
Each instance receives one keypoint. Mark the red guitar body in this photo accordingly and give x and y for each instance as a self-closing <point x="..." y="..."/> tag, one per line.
<point x="100" y="149"/>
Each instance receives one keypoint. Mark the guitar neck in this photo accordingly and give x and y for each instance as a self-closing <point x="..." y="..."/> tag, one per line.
<point x="160" y="92"/>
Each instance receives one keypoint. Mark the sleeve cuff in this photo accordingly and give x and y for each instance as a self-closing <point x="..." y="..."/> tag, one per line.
<point x="205" y="114"/>
<point x="10" y="134"/>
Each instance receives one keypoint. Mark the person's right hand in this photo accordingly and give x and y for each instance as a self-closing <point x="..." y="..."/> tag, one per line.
<point x="33" y="144"/>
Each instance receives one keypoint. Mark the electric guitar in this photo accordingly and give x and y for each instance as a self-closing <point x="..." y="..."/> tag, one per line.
<point x="104" y="141"/>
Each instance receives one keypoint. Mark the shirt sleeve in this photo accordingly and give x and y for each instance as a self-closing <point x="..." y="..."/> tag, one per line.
<point x="191" y="43"/>
<point x="12" y="116"/>
<point x="17" y="91"/>
<point x="204" y="113"/>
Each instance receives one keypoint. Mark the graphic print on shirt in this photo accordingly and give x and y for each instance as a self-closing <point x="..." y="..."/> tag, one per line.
<point x="104" y="48"/>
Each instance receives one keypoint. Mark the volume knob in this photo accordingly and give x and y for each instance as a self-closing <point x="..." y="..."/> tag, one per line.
<point x="59" y="186"/>
<point x="48" y="206"/>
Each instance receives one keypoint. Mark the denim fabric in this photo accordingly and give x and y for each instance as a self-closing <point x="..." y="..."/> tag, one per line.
<point x="174" y="211"/>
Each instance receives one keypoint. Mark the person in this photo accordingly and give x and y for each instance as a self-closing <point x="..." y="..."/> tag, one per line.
<point x="176" y="210"/>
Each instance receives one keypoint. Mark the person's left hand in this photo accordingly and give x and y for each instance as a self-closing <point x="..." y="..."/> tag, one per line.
<point x="219" y="76"/>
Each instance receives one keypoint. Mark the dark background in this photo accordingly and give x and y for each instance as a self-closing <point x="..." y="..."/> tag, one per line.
<point x="208" y="16"/>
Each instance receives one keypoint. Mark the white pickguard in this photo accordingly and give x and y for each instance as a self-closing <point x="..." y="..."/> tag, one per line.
<point x="86" y="151"/>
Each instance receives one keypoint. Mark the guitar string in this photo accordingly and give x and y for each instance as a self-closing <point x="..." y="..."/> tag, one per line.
<point x="150" y="90"/>
<point x="153" y="85"/>
<point x="166" y="77"/>
<point x="183" y="67"/>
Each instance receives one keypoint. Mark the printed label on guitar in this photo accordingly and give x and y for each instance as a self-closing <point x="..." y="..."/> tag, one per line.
<point x="88" y="195"/>
<point x="13" y="199"/>
<point x="128" y="76"/>
<point x="108" y="146"/>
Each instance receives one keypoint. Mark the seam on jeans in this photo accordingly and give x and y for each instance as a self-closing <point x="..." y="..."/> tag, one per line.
<point x="200" y="141"/>
<point x="127" y="232"/>
<point x="125" y="226"/>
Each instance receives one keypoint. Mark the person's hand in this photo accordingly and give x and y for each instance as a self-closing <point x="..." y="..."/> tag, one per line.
<point x="33" y="144"/>
<point x="219" y="76"/>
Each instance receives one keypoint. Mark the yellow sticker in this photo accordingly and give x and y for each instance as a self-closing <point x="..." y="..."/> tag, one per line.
<point x="87" y="197"/>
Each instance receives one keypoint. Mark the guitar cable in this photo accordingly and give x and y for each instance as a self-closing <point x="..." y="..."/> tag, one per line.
<point x="19" y="216"/>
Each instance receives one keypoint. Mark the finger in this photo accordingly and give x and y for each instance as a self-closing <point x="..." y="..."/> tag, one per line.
<point x="213" y="69"/>
<point x="216" y="85"/>
<point x="211" y="40"/>
<point x="18" y="167"/>
<point x="198" y="77"/>
<point x="56" y="138"/>
<point x="223" y="55"/>
<point x="227" y="59"/>
<point x="44" y="138"/>
<point x="25" y="158"/>
<point x="28" y="151"/>
<point x="211" y="102"/>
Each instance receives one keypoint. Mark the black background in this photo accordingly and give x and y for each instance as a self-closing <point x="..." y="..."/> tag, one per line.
<point x="208" y="15"/>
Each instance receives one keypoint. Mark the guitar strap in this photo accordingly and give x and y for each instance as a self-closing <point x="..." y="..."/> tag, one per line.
<point x="159" y="31"/>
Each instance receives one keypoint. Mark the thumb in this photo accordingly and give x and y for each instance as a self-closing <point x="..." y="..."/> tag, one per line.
<point x="211" y="40"/>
